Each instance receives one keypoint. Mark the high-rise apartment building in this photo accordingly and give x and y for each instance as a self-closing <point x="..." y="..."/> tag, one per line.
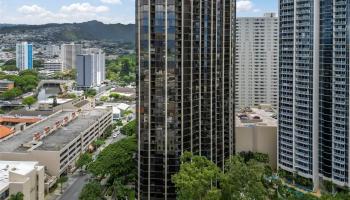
<point x="257" y="61"/>
<point x="53" y="51"/>
<point x="185" y="87"/>
<point x="90" y="69"/>
<point x="24" y="56"/>
<point x="314" y="90"/>
<point x="69" y="54"/>
<point x="99" y="62"/>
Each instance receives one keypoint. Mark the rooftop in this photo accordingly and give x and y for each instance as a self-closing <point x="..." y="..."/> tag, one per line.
<point x="5" y="131"/>
<point x="50" y="101"/>
<point x="19" y="167"/>
<point x="14" y="143"/>
<point x="256" y="117"/>
<point x="28" y="113"/>
<point x="81" y="103"/>
<point x="16" y="119"/>
<point x="65" y="135"/>
<point x="58" y="138"/>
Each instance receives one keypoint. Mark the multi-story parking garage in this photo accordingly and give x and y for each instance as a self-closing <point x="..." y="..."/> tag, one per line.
<point x="57" y="141"/>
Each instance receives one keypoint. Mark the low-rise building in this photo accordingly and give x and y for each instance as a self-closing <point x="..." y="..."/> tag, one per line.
<point x="5" y="131"/>
<point x="57" y="141"/>
<point x="256" y="131"/>
<point x="25" y="177"/>
<point x="6" y="85"/>
<point x="53" y="66"/>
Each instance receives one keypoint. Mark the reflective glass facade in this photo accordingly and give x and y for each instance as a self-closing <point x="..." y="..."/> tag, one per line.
<point x="185" y="87"/>
<point x="314" y="89"/>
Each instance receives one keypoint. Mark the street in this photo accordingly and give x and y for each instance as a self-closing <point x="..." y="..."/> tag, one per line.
<point x="73" y="189"/>
<point x="72" y="193"/>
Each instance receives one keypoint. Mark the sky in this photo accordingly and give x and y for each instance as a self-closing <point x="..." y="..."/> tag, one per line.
<point x="107" y="11"/>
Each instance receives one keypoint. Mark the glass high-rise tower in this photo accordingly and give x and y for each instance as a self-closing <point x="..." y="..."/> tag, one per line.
<point x="314" y="90"/>
<point x="185" y="87"/>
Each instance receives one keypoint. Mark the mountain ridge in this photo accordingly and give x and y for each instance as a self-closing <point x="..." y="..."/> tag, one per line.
<point x="91" y="30"/>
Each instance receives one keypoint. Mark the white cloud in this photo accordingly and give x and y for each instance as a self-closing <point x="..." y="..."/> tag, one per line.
<point x="112" y="1"/>
<point x="32" y="9"/>
<point x="244" y="6"/>
<point x="77" y="12"/>
<point x="2" y="7"/>
<point x="84" y="8"/>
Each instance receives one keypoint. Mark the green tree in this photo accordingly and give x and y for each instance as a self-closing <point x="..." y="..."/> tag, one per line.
<point x="121" y="192"/>
<point x="119" y="123"/>
<point x="17" y="196"/>
<point x="127" y="112"/>
<point x="260" y="157"/>
<point x="67" y="75"/>
<point x="115" y="96"/>
<point x="68" y="96"/>
<point x="129" y="129"/>
<point x="195" y="178"/>
<point x="104" y="98"/>
<point x="11" y="94"/>
<point x="84" y="160"/>
<point x="61" y="181"/>
<point x="9" y="68"/>
<point x="38" y="64"/>
<point x="29" y="72"/>
<point x="98" y="143"/>
<point x="10" y="62"/>
<point x="122" y="70"/>
<point x="90" y="93"/>
<point x="243" y="180"/>
<point x="91" y="191"/>
<point x="29" y="101"/>
<point x="26" y="81"/>
<point x="123" y="165"/>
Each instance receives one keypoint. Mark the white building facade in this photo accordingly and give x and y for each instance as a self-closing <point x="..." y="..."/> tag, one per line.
<point x="22" y="176"/>
<point x="53" y="66"/>
<point x="24" y="56"/>
<point x="90" y="68"/>
<point x="257" y="61"/>
<point x="53" y="51"/>
<point x="69" y="53"/>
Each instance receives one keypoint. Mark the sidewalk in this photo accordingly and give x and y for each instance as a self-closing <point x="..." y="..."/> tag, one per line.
<point x="72" y="178"/>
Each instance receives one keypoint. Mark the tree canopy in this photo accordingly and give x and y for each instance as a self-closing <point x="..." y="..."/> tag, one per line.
<point x="9" y="68"/>
<point x="117" y="162"/>
<point x="243" y="179"/>
<point x="195" y="178"/>
<point x="121" y="153"/>
<point x="29" y="101"/>
<point x="91" y="191"/>
<point x="84" y="160"/>
<point x="11" y="94"/>
<point x="130" y="128"/>
<point x="26" y="81"/>
<point x="122" y="70"/>
<point x="90" y="93"/>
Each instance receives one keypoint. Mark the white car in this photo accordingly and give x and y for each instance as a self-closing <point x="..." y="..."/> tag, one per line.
<point x="115" y="135"/>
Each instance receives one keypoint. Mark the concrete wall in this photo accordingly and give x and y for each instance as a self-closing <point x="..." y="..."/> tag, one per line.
<point x="262" y="139"/>
<point x="31" y="184"/>
<point x="49" y="159"/>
